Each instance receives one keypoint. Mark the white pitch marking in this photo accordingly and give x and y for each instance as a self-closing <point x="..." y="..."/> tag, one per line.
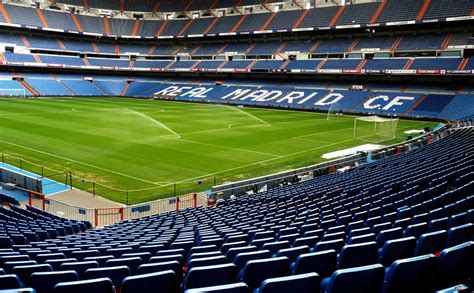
<point x="177" y="136"/>
<point x="250" y="115"/>
<point x="79" y="162"/>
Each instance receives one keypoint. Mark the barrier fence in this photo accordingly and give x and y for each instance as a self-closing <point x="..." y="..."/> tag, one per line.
<point x="100" y="217"/>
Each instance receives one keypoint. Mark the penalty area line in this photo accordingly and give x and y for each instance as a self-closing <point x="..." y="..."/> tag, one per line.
<point x="81" y="163"/>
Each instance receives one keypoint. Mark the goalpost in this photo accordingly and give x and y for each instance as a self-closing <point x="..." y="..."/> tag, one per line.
<point x="374" y="128"/>
<point x="18" y="93"/>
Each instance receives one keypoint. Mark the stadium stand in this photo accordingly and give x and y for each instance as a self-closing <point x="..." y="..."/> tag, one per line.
<point x="379" y="197"/>
<point x="402" y="223"/>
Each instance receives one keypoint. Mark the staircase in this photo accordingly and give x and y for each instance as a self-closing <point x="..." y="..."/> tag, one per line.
<point x="302" y="17"/>
<point x="136" y="26"/>
<point x="423" y="9"/>
<point x="408" y="65"/>
<point x="378" y="12"/>
<point x="29" y="88"/>
<point x="162" y="27"/>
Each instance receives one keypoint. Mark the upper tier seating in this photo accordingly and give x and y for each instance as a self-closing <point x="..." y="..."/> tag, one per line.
<point x="394" y="10"/>
<point x="422" y="186"/>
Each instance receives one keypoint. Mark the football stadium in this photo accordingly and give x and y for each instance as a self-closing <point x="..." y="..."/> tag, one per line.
<point x="236" y="146"/>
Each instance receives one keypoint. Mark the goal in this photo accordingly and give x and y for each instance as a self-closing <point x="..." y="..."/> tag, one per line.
<point x="18" y="93"/>
<point x="374" y="128"/>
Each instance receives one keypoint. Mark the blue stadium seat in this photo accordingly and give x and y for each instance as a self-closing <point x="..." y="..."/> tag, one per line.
<point x="164" y="281"/>
<point x="273" y="247"/>
<point x="82" y="254"/>
<point x="164" y="258"/>
<point x="162" y="266"/>
<point x="355" y="280"/>
<point x="460" y="234"/>
<point x="411" y="275"/>
<point x="56" y="263"/>
<point x="256" y="271"/>
<point x="455" y="264"/>
<point x="396" y="249"/>
<point x="5" y="242"/>
<point x="233" y="252"/>
<point x="361" y="238"/>
<point x="357" y="255"/>
<point x="322" y="262"/>
<point x="79" y="267"/>
<point x="415" y="230"/>
<point x="293" y="252"/>
<point x="45" y="281"/>
<point x="308" y="241"/>
<point x="171" y="252"/>
<point x="152" y="249"/>
<point x="242" y="258"/>
<point x="116" y="274"/>
<point x="144" y="256"/>
<point x="389" y="234"/>
<point x="207" y="261"/>
<point x="304" y="283"/>
<point x="9" y="282"/>
<point x="210" y="276"/>
<point x="103" y="285"/>
<point x="226" y="246"/>
<point x="335" y="245"/>
<point x="101" y="260"/>
<point x="42" y="258"/>
<point x="131" y="262"/>
<point x="24" y="272"/>
<point x="430" y="243"/>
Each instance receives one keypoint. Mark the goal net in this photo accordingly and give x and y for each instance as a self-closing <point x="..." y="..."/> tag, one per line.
<point x="17" y="93"/>
<point x="374" y="128"/>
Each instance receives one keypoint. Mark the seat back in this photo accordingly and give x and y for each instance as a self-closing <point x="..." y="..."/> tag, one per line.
<point x="103" y="285"/>
<point x="207" y="261"/>
<point x="242" y="258"/>
<point x="397" y="249"/>
<point x="323" y="263"/>
<point x="460" y="234"/>
<point x="356" y="280"/>
<point x="24" y="272"/>
<point x="164" y="281"/>
<point x="79" y="267"/>
<point x="430" y="242"/>
<point x="411" y="274"/>
<point x="164" y="258"/>
<point x="56" y="263"/>
<point x="171" y="252"/>
<point x="9" y="282"/>
<point x="304" y="283"/>
<point x="335" y="245"/>
<point x="101" y="260"/>
<point x="455" y="264"/>
<point x="131" y="262"/>
<point x="116" y="274"/>
<point x="45" y="281"/>
<point x="256" y="271"/>
<point x="210" y="276"/>
<point x="273" y="247"/>
<point x="232" y="252"/>
<point x="389" y="234"/>
<point x="356" y="255"/>
<point x="162" y="266"/>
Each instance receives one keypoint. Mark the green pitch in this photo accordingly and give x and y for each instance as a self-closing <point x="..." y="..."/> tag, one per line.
<point x="152" y="148"/>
